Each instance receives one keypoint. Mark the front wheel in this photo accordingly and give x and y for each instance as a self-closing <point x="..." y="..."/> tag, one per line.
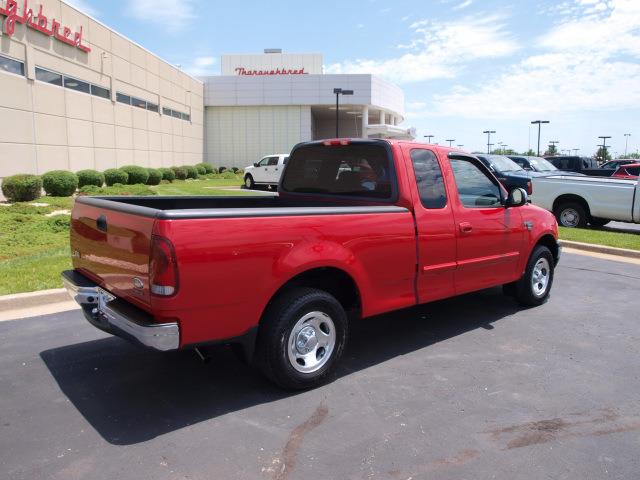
<point x="248" y="182"/>
<point x="534" y="286"/>
<point x="301" y="338"/>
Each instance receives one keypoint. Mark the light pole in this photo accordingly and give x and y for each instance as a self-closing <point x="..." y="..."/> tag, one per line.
<point x="553" y="143"/>
<point x="575" y="151"/>
<point x="604" y="146"/>
<point x="489" y="132"/>
<point x="626" y="142"/>
<point x="460" y="146"/>
<point x="450" y="141"/>
<point x="429" y="137"/>
<point x="338" y="92"/>
<point x="539" y="123"/>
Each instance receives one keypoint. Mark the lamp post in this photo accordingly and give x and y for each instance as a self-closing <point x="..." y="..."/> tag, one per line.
<point x="575" y="151"/>
<point x="539" y="123"/>
<point x="429" y="137"/>
<point x="450" y="141"/>
<point x="460" y="146"/>
<point x="338" y="92"/>
<point x="489" y="144"/>
<point x="626" y="142"/>
<point x="604" y="146"/>
<point x="553" y="143"/>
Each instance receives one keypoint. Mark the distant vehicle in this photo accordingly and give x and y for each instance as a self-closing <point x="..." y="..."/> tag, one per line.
<point x="538" y="165"/>
<point x="630" y="171"/>
<point x="586" y="165"/>
<point x="510" y="174"/>
<point x="578" y="201"/>
<point x="613" y="164"/>
<point x="266" y="172"/>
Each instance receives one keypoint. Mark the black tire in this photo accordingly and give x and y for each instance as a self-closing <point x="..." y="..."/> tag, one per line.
<point x="526" y="293"/>
<point x="276" y="327"/>
<point x="571" y="214"/>
<point x="598" y="222"/>
<point x="248" y="182"/>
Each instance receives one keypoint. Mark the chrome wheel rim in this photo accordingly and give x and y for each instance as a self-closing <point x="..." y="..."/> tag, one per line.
<point x="540" y="277"/>
<point x="569" y="217"/>
<point x="247" y="182"/>
<point x="311" y="342"/>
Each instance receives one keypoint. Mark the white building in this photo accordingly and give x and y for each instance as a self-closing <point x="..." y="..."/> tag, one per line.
<point x="267" y="103"/>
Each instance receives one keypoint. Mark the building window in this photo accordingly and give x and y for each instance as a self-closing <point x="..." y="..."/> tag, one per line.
<point x="100" y="91"/>
<point x="176" y="114"/>
<point x="75" y="84"/>
<point x="48" y="77"/>
<point x="166" y="111"/>
<point x="152" y="107"/>
<point x="12" y="66"/>
<point x="136" y="102"/>
<point x="186" y="116"/>
<point x="122" y="98"/>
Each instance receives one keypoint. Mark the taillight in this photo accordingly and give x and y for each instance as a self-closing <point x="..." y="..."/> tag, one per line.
<point x="163" y="268"/>
<point x="529" y="188"/>
<point x="334" y="143"/>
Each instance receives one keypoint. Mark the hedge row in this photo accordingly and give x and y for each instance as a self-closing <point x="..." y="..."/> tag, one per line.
<point x="62" y="183"/>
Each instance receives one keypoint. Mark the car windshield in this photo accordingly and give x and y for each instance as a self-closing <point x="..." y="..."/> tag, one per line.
<point x="541" y="165"/>
<point x="501" y="163"/>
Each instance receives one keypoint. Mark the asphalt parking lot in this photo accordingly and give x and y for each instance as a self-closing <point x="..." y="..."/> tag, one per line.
<point x="467" y="388"/>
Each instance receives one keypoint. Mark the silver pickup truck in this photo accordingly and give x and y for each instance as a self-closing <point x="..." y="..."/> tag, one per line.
<point x="578" y="201"/>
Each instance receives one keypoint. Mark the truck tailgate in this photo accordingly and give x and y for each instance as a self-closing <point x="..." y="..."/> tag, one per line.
<point x="113" y="248"/>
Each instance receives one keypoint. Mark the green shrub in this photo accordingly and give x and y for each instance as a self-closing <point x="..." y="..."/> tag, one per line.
<point x="137" y="174"/>
<point x="207" y="167"/>
<point x="192" y="172"/>
<point x="90" y="177"/>
<point x="201" y="170"/>
<point x="22" y="188"/>
<point x="118" y="189"/>
<point x="59" y="223"/>
<point x="168" y="174"/>
<point x="60" y="183"/>
<point x="155" y="176"/>
<point x="115" y="175"/>
<point x="181" y="172"/>
<point x="222" y="169"/>
<point x="228" y="175"/>
<point x="89" y="190"/>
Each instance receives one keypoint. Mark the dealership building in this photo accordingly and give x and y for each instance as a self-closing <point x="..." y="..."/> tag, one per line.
<point x="75" y="94"/>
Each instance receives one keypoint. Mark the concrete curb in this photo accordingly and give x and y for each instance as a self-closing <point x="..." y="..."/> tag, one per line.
<point x="33" y="299"/>
<point x="590" y="247"/>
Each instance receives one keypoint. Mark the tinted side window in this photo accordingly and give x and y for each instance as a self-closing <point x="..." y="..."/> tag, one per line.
<point x="633" y="170"/>
<point x="273" y="161"/>
<point x="475" y="189"/>
<point x="264" y="162"/>
<point x="48" y="77"/>
<point x="12" y="66"/>
<point x="429" y="179"/>
<point x="78" y="85"/>
<point x="100" y="92"/>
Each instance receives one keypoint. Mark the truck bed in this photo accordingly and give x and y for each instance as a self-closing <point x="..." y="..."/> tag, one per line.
<point x="179" y="207"/>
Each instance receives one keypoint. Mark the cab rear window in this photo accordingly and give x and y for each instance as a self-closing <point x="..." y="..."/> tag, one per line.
<point x="360" y="170"/>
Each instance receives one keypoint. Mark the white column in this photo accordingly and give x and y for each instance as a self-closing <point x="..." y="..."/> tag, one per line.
<point x="381" y="122"/>
<point x="365" y="121"/>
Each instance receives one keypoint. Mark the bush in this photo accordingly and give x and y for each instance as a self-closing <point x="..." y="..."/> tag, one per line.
<point x="228" y="175"/>
<point x="192" y="172"/>
<point x="90" y="177"/>
<point x="89" y="190"/>
<point x="117" y="189"/>
<point x="137" y="174"/>
<point x="60" y="183"/>
<point x="235" y="169"/>
<point x="168" y="174"/>
<point x="22" y="188"/>
<point x="155" y="176"/>
<point x="115" y="175"/>
<point x="181" y="172"/>
<point x="201" y="170"/>
<point x="207" y="167"/>
<point x="222" y="169"/>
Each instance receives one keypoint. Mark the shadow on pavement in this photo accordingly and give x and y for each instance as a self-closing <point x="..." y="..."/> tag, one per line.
<point x="130" y="395"/>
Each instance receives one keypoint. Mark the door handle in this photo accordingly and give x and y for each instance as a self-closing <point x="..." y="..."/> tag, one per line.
<point x="465" y="227"/>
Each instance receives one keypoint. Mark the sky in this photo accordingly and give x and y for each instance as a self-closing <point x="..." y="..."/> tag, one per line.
<point x="465" y="66"/>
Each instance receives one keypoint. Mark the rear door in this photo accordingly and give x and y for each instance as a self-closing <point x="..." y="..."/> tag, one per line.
<point x="113" y="249"/>
<point x="273" y="170"/>
<point x="489" y="237"/>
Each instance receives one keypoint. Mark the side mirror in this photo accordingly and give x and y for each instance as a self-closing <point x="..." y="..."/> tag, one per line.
<point x="517" y="197"/>
<point x="255" y="164"/>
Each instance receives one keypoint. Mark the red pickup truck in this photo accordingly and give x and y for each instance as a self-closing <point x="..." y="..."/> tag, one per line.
<point x="359" y="228"/>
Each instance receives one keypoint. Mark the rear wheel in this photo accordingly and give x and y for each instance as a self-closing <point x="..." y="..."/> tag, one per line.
<point x="571" y="215"/>
<point x="302" y="337"/>
<point x="248" y="182"/>
<point x="534" y="286"/>
<point x="598" y="222"/>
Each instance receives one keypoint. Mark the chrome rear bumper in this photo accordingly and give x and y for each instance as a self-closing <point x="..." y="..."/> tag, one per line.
<point x="118" y="317"/>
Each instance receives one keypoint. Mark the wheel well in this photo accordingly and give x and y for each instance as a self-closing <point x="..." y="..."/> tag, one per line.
<point x="550" y="242"/>
<point x="333" y="281"/>
<point x="571" y="198"/>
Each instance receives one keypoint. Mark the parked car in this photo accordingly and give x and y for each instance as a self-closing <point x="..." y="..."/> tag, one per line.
<point x="266" y="172"/>
<point x="538" y="165"/>
<point x="630" y="171"/>
<point x="584" y="165"/>
<point x="613" y="164"/>
<point x="510" y="174"/>
<point x="578" y="201"/>
<point x="359" y="228"/>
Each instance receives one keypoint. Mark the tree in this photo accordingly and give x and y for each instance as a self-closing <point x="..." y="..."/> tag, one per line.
<point x="602" y="155"/>
<point x="631" y="156"/>
<point x="530" y="153"/>
<point x="552" y="150"/>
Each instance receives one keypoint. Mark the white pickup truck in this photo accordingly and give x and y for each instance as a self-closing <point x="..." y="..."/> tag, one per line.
<point x="578" y="201"/>
<point x="266" y="172"/>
